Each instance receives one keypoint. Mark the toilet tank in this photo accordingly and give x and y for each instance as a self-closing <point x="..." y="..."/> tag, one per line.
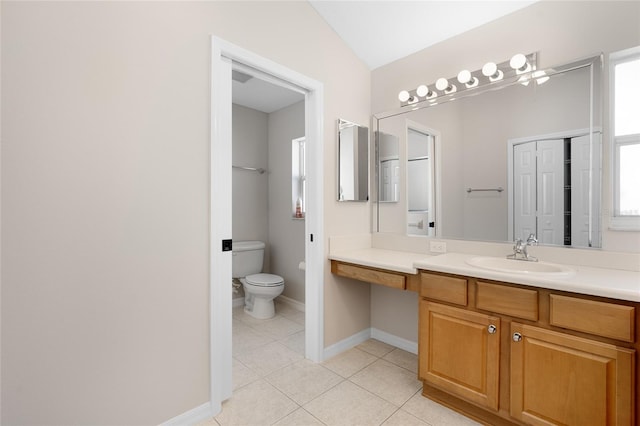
<point x="247" y="258"/>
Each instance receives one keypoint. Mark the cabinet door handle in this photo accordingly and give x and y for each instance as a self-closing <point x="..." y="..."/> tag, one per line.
<point x="492" y="329"/>
<point x="517" y="337"/>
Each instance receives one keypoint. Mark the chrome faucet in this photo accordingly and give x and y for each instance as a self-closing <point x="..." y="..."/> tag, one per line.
<point x="520" y="249"/>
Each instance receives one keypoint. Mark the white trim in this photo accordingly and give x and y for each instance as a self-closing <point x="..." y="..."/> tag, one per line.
<point x="220" y="295"/>
<point x="348" y="343"/>
<point x="191" y="417"/>
<point x="292" y="303"/>
<point x="393" y="340"/>
<point x="436" y="174"/>
<point x="366" y="334"/>
<point x="617" y="222"/>
<point x="624" y="223"/>
<point x="224" y="54"/>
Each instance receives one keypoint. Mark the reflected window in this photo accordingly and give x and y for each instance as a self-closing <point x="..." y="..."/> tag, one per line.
<point x="625" y="104"/>
<point x="298" y="178"/>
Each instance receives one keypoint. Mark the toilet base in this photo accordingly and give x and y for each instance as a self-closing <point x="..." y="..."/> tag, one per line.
<point x="260" y="308"/>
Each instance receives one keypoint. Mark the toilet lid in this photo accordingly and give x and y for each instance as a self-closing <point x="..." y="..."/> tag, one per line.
<point x="264" y="280"/>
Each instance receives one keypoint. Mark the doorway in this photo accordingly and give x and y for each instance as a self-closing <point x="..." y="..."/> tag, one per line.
<point x="553" y="186"/>
<point x="227" y="57"/>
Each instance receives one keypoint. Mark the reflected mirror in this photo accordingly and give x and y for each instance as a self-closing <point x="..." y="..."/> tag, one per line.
<point x="353" y="162"/>
<point x="505" y="162"/>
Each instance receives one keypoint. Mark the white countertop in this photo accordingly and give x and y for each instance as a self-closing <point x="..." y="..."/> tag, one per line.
<point x="612" y="283"/>
<point x="392" y="260"/>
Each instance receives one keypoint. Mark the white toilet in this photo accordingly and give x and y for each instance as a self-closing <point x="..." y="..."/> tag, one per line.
<point x="259" y="289"/>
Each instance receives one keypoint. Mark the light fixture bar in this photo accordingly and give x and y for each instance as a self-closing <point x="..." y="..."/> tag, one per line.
<point x="518" y="67"/>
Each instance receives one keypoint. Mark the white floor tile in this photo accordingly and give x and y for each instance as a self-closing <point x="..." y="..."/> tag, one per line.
<point x="278" y="327"/>
<point x="403" y="359"/>
<point x="402" y="418"/>
<point x="395" y="384"/>
<point x="350" y="362"/>
<point x="242" y="375"/>
<point x="349" y="404"/>
<point x="375" y="347"/>
<point x="295" y="342"/>
<point x="256" y="404"/>
<point x="300" y="417"/>
<point x="434" y="413"/>
<point x="245" y="339"/>
<point x="269" y="358"/>
<point x="304" y="380"/>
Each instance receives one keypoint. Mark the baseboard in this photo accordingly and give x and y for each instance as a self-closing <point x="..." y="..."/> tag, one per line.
<point x="346" y="344"/>
<point x="393" y="340"/>
<point x="291" y="302"/>
<point x="191" y="417"/>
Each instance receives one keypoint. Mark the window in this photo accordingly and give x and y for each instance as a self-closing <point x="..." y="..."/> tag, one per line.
<point x="625" y="123"/>
<point x="298" y="181"/>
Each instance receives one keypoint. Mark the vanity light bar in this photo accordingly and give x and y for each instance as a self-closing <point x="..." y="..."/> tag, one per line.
<point x="521" y="67"/>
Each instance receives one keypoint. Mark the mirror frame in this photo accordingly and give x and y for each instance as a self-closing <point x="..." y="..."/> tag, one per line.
<point x="594" y="62"/>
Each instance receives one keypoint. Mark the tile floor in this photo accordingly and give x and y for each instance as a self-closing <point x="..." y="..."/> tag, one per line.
<point x="371" y="384"/>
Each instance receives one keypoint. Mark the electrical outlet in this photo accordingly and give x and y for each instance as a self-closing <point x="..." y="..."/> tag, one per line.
<point x="437" y="246"/>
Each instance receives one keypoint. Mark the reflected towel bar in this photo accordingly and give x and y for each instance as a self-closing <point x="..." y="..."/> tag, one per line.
<point x="498" y="189"/>
<point x="251" y="169"/>
<point x="419" y="225"/>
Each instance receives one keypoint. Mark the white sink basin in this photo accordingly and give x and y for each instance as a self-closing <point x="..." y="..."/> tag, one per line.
<point x="511" y="266"/>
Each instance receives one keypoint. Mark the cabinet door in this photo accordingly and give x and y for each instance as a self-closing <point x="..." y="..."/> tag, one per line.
<point x="557" y="379"/>
<point x="459" y="352"/>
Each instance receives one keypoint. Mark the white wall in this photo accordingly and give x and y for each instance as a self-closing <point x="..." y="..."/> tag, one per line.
<point x="286" y="234"/>
<point x="560" y="31"/>
<point x="105" y="198"/>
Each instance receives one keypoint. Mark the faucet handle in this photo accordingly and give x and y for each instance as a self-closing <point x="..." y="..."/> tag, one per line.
<point x="532" y="239"/>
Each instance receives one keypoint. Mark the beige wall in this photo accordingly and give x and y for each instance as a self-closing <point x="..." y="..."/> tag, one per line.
<point x="105" y="145"/>
<point x="559" y="31"/>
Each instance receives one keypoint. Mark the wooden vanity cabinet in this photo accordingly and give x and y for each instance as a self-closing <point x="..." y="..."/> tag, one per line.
<point x="393" y="279"/>
<point x="514" y="354"/>
<point x="561" y="379"/>
<point x="459" y="352"/>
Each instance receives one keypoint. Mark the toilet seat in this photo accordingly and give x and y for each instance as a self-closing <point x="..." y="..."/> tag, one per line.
<point x="264" y="280"/>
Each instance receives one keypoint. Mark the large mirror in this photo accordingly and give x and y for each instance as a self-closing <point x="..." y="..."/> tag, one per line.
<point x="498" y="163"/>
<point x="353" y="162"/>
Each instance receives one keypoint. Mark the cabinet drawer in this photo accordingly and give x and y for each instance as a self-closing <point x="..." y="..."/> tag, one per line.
<point x="374" y="276"/>
<point x="516" y="302"/>
<point x="599" y="318"/>
<point x="443" y="288"/>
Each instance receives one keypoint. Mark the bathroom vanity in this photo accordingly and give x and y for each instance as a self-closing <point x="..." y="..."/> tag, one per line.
<point x="508" y="348"/>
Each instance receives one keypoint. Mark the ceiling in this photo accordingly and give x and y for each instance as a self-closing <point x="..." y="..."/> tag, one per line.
<point x="380" y="32"/>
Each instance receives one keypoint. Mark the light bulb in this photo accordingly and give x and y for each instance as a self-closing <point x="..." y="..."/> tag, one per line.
<point x="404" y="96"/>
<point x="467" y="79"/>
<point x="422" y="91"/>
<point x="442" y="84"/>
<point x="464" y="76"/>
<point x="519" y="63"/>
<point x="490" y="69"/>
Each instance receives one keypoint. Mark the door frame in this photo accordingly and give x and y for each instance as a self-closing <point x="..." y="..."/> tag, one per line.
<point x="223" y="56"/>
<point x="435" y="196"/>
